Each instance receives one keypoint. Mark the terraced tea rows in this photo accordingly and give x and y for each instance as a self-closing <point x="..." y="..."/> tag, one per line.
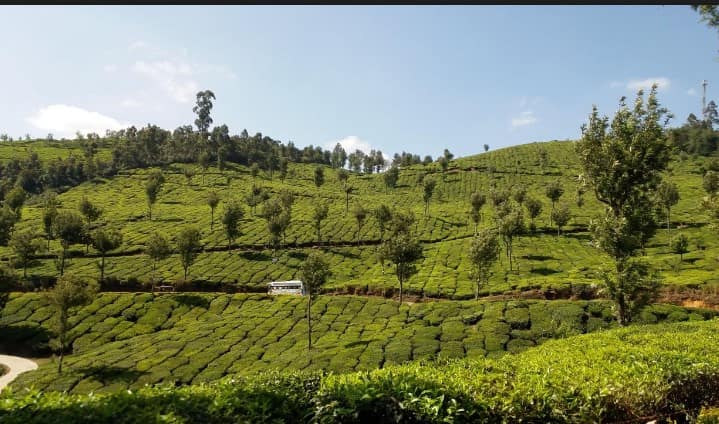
<point x="127" y="340"/>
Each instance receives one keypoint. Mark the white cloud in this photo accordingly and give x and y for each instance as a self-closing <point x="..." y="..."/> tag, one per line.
<point x="525" y="118"/>
<point x="130" y="103"/>
<point x="646" y="84"/>
<point x="172" y="77"/>
<point x="692" y="92"/>
<point x="615" y="84"/>
<point x="110" y="68"/>
<point x="350" y="144"/>
<point x="64" y="121"/>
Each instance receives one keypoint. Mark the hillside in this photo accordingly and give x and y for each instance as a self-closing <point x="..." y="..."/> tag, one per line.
<point x="544" y="259"/>
<point x="635" y="374"/>
<point x="128" y="340"/>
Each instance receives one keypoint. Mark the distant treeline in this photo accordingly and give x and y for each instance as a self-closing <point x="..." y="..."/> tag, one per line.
<point x="153" y="146"/>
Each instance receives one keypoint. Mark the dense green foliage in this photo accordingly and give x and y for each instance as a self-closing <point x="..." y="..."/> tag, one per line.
<point x="127" y="340"/>
<point x="635" y="374"/>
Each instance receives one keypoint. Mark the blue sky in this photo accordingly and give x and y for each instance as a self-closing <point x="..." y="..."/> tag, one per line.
<point x="412" y="78"/>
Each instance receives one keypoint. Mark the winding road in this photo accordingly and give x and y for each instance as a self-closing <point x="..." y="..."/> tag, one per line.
<point x="16" y="366"/>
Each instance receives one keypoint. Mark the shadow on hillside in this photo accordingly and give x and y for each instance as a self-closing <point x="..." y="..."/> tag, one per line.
<point x="107" y="374"/>
<point x="345" y="253"/>
<point x="452" y="224"/>
<point x="360" y="343"/>
<point x="538" y="257"/>
<point x="171" y="202"/>
<point x="170" y="220"/>
<point x="192" y="300"/>
<point x="585" y="236"/>
<point x="544" y="271"/>
<point x="297" y="255"/>
<point x="24" y="340"/>
<point x="255" y="256"/>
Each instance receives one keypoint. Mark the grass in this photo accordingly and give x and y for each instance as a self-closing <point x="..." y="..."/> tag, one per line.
<point x="194" y="337"/>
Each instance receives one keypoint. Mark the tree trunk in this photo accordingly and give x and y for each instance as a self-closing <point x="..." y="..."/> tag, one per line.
<point x="400" y="292"/>
<point x="309" y="323"/>
<point x="185" y="277"/>
<point x="669" y="214"/>
<point x="476" y="291"/>
<point x="102" y="268"/>
<point x="212" y="218"/>
<point x="62" y="261"/>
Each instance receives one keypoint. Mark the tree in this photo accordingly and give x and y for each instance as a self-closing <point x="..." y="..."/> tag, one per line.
<point x="534" y="208"/>
<point x="543" y="158"/>
<point x="623" y="164"/>
<point x="278" y="219"/>
<point x="427" y="160"/>
<point x="152" y="189"/>
<point x="428" y="185"/>
<point x="204" y="160"/>
<point x="510" y="224"/>
<point x="360" y="214"/>
<point x="680" y="245"/>
<point x="383" y="215"/>
<point x="254" y="170"/>
<point x="390" y="177"/>
<point x="486" y="148"/>
<point x="443" y="163"/>
<point x="554" y="191"/>
<point x="339" y="157"/>
<point x="188" y="246"/>
<point x="476" y="200"/>
<point x="15" y="199"/>
<point x="520" y="194"/>
<point x="231" y="218"/>
<point x="403" y="250"/>
<point x="25" y="246"/>
<point x="320" y="212"/>
<point x="447" y="155"/>
<point x="91" y="214"/>
<point x="319" y="176"/>
<point x="68" y="293"/>
<point x="483" y="253"/>
<point x="8" y="219"/>
<point x="69" y="228"/>
<point x="284" y="164"/>
<point x="157" y="248"/>
<point x="561" y="217"/>
<point x="256" y="196"/>
<point x="667" y="196"/>
<point x="49" y="213"/>
<point x="711" y="183"/>
<point x="104" y="241"/>
<point x="314" y="273"/>
<point x="709" y="14"/>
<point x="632" y="288"/>
<point x="348" y="190"/>
<point x="342" y="175"/>
<point x="202" y="108"/>
<point x="188" y="172"/>
<point x="213" y="199"/>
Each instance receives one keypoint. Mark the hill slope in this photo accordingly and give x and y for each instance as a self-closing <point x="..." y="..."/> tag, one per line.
<point x="634" y="374"/>
<point x="127" y="340"/>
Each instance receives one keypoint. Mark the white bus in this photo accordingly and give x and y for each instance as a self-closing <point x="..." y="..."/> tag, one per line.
<point x="286" y="287"/>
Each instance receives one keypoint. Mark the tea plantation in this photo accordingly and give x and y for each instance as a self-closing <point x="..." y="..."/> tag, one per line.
<point x="128" y="340"/>
<point x="543" y="259"/>
<point x="634" y="374"/>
